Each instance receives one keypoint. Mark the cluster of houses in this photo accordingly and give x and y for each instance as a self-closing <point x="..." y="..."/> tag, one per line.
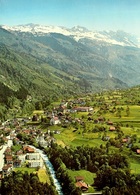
<point x="44" y="139"/>
<point x="27" y="156"/>
<point x="58" y="114"/>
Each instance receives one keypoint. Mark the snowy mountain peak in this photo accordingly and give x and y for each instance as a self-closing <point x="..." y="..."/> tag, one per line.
<point x="79" y="29"/>
<point x="78" y="33"/>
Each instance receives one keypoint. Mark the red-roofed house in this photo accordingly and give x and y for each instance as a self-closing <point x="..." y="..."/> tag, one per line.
<point x="109" y="122"/>
<point x="8" y="159"/>
<point x="27" y="131"/>
<point x="80" y="183"/>
<point x="8" y="150"/>
<point x="79" y="178"/>
<point x="28" y="149"/>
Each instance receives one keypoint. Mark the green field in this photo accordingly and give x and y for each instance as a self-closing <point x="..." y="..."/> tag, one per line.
<point x="88" y="177"/>
<point x="129" y="123"/>
<point x="135" y="168"/>
<point x="25" y="169"/>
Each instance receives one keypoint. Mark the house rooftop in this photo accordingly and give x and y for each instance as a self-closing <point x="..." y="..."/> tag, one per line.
<point x="79" y="178"/>
<point x="112" y="128"/>
<point x="6" y="167"/>
<point x="28" y="149"/>
<point x="81" y="185"/>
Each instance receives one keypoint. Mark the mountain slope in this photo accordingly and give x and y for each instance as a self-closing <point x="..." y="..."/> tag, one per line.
<point x="70" y="61"/>
<point x="20" y="69"/>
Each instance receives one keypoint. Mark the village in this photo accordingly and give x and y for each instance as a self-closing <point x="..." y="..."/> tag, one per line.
<point x="23" y="132"/>
<point x="93" y="122"/>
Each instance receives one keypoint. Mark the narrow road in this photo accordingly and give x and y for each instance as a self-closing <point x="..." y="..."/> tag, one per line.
<point x="2" y="156"/>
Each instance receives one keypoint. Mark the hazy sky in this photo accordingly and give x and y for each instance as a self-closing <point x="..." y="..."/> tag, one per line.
<point x="93" y="14"/>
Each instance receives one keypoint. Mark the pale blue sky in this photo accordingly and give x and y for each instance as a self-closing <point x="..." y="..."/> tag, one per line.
<point x="93" y="14"/>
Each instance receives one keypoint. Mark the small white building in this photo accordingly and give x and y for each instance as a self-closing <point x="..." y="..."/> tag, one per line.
<point x="33" y="156"/>
<point x="83" y="109"/>
<point x="36" y="163"/>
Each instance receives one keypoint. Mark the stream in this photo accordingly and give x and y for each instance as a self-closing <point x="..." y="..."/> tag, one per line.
<point x="51" y="170"/>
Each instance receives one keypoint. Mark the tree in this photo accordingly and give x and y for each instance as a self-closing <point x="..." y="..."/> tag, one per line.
<point x="127" y="111"/>
<point x="34" y="118"/>
<point x="38" y="106"/>
<point x="22" y="93"/>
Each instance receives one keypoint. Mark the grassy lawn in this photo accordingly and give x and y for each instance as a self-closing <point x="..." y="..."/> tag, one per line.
<point x="38" y="112"/>
<point x="43" y="176"/>
<point x="135" y="168"/>
<point x="88" y="177"/>
<point x="60" y="142"/>
<point x="90" y="142"/>
<point x="71" y="139"/>
<point x="135" y="164"/>
<point x="25" y="169"/>
<point x="66" y="137"/>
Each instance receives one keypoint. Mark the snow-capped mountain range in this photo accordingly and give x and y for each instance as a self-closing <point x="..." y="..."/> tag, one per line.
<point x="78" y="33"/>
<point x="101" y="59"/>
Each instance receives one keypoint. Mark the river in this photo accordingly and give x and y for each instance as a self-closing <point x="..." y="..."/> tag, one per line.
<point x="44" y="157"/>
<point x="51" y="170"/>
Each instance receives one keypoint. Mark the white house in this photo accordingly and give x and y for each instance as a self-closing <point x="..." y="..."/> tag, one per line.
<point x="83" y="109"/>
<point x="55" y="121"/>
<point x="35" y="163"/>
<point x="33" y="156"/>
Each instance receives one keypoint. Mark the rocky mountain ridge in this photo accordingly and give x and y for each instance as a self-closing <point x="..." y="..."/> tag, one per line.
<point x="78" y="32"/>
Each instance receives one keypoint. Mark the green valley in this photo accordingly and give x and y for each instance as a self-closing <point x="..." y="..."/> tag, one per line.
<point x="78" y="100"/>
